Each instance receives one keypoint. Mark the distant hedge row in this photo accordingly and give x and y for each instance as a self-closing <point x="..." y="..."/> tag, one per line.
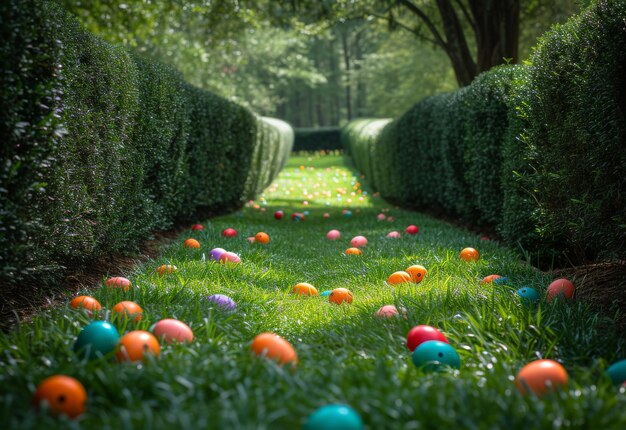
<point x="316" y="139"/>
<point x="537" y="151"/>
<point x="101" y="146"/>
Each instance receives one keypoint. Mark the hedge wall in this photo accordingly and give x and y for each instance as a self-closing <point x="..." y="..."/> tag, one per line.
<point x="316" y="139"/>
<point x="101" y="146"/>
<point x="358" y="139"/>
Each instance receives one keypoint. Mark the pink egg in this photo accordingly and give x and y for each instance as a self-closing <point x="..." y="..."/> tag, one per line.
<point x="393" y="235"/>
<point x="326" y="215"/>
<point x="230" y="257"/>
<point x="172" y="330"/>
<point x="229" y="232"/>
<point x="381" y="217"/>
<point x="358" y="241"/>
<point x="391" y="219"/>
<point x="333" y="235"/>
<point x="387" y="311"/>
<point x="250" y="239"/>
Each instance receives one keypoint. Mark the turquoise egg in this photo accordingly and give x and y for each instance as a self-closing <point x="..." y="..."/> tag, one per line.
<point x="326" y="293"/>
<point x="529" y="296"/>
<point x="96" y="339"/>
<point x="617" y="372"/>
<point x="433" y="355"/>
<point x="334" y="417"/>
<point x="501" y="281"/>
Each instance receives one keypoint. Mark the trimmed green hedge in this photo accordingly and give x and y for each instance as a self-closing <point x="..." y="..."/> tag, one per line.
<point x="317" y="139"/>
<point x="101" y="146"/>
<point x="358" y="139"/>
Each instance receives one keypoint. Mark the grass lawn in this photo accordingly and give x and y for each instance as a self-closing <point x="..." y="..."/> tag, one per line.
<point x="345" y="353"/>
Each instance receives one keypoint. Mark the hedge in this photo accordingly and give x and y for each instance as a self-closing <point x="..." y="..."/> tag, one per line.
<point x="316" y="139"/>
<point x="102" y="146"/>
<point x="358" y="138"/>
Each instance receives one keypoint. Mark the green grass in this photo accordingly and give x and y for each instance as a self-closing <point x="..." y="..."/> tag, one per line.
<point x="345" y="354"/>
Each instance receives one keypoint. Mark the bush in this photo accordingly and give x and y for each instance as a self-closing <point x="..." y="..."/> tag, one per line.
<point x="316" y="139"/>
<point x="358" y="138"/>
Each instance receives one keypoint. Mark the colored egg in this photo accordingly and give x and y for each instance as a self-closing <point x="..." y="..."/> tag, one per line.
<point x="393" y="235"/>
<point x="222" y="301"/>
<point x="469" y="254"/>
<point x="617" y="372"/>
<point x="262" y="237"/>
<point x="489" y="279"/>
<point x="229" y="232"/>
<point x="423" y="333"/>
<point x="358" y="241"/>
<point x="166" y="269"/>
<point x="297" y="216"/>
<point x="305" y="289"/>
<point x="353" y="251"/>
<point x="529" y="296"/>
<point x="503" y="280"/>
<point x="387" y="311"/>
<point x="540" y="377"/>
<point x="434" y="355"/>
<point x="216" y="253"/>
<point x="417" y="273"/>
<point x="279" y="214"/>
<point x="274" y="347"/>
<point x="172" y="330"/>
<point x="484" y="238"/>
<point x="251" y="239"/>
<point x="340" y="295"/>
<point x="333" y="235"/>
<point x="230" y="258"/>
<point x="118" y="282"/>
<point x="560" y="288"/>
<point x="325" y="293"/>
<point x="381" y="217"/>
<point x="192" y="243"/>
<point x="400" y="277"/>
<point x="412" y="229"/>
<point x="326" y="215"/>
<point x="391" y="219"/>
<point x="334" y="417"/>
<point x="346" y="213"/>
<point x="197" y="227"/>
<point x="86" y="302"/>
<point x="128" y="309"/>
<point x="62" y="395"/>
<point x="96" y="339"/>
<point x="137" y="345"/>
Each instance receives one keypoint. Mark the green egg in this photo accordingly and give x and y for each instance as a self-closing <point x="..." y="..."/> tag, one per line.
<point x="334" y="417"/>
<point x="433" y="355"/>
<point x="96" y="339"/>
<point x="617" y="372"/>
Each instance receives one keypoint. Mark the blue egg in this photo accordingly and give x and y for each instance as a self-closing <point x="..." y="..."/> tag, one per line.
<point x="306" y="213"/>
<point x="433" y="355"/>
<point x="96" y="339"/>
<point x="617" y="372"/>
<point x="501" y="281"/>
<point x="326" y="293"/>
<point x="529" y="296"/>
<point x="334" y="417"/>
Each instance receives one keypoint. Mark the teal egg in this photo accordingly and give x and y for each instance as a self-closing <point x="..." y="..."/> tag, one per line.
<point x="617" y="372"/>
<point x="529" y="296"/>
<point x="96" y="339"/>
<point x="501" y="281"/>
<point x="326" y="293"/>
<point x="433" y="355"/>
<point x="334" y="417"/>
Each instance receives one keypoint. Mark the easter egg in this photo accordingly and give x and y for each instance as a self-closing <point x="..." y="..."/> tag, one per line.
<point x="216" y="253"/>
<point x="136" y="345"/>
<point x="166" y="269"/>
<point x="86" y="302"/>
<point x="222" y="301"/>
<point x="128" y="309"/>
<point x="251" y="239"/>
<point x="529" y="296"/>
<point x="423" y="333"/>
<point x="358" y="241"/>
<point x="393" y="235"/>
<point x="560" y="288"/>
<point x="346" y="213"/>
<point x="279" y="214"/>
<point x="417" y="272"/>
<point x="325" y="293"/>
<point x="274" y="347"/>
<point x="412" y="229"/>
<point x="230" y="258"/>
<point x="172" y="330"/>
<point x="400" y="277"/>
<point x="333" y="235"/>
<point x="434" y="355"/>
<point x="540" y="377"/>
<point x="297" y="216"/>
<point x="469" y="254"/>
<point x="617" y="372"/>
<point x="484" y="238"/>
<point x="340" y="295"/>
<point x="334" y="417"/>
<point x="62" y="395"/>
<point x="305" y="289"/>
<point x="489" y="279"/>
<point x="262" y="237"/>
<point x="353" y="251"/>
<point x="387" y="311"/>
<point x="229" y="232"/>
<point x="118" y="282"/>
<point x="197" y="227"/>
<point x="502" y="280"/>
<point x="391" y="219"/>
<point x="192" y="243"/>
<point x="96" y="339"/>
<point x="326" y="215"/>
<point x="381" y="217"/>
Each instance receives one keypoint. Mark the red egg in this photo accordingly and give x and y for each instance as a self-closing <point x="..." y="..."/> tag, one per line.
<point x="412" y="229"/>
<point x="279" y="214"/>
<point x="560" y="287"/>
<point x="172" y="330"/>
<point x="229" y="232"/>
<point x="422" y="333"/>
<point x="197" y="227"/>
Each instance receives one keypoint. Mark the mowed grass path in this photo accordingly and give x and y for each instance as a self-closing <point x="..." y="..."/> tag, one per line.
<point x="346" y="355"/>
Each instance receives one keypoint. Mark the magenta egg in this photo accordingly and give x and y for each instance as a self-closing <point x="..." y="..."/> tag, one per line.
<point x="333" y="235"/>
<point x="358" y="241"/>
<point x="172" y="330"/>
<point x="216" y="253"/>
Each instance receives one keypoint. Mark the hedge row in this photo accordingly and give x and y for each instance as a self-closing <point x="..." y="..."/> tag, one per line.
<point x="101" y="146"/>
<point x="358" y="137"/>
<point x="537" y="151"/>
<point x="316" y="139"/>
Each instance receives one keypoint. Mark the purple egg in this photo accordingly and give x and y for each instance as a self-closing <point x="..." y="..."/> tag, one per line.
<point x="216" y="253"/>
<point x="223" y="301"/>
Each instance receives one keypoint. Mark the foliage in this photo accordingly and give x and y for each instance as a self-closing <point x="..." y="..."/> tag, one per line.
<point x="358" y="137"/>
<point x="315" y="139"/>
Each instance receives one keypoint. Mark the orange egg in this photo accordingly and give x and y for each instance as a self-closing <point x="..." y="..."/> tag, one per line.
<point x="128" y="309"/>
<point x="275" y="348"/>
<point x="135" y="345"/>
<point x="261" y="237"/>
<point x="560" y="288"/>
<point x="541" y="377"/>
<point x="173" y="330"/>
<point x="489" y="279"/>
<point x="166" y="269"/>
<point x="417" y="272"/>
<point x="340" y="295"/>
<point x="118" y="282"/>
<point x="353" y="251"/>
<point x="400" y="277"/>
<point x="192" y="243"/>
<point x="63" y="394"/>
<point x="469" y="254"/>
<point x="86" y="302"/>
<point x="305" y="289"/>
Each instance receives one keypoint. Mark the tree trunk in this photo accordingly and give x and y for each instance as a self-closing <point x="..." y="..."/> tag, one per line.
<point x="346" y="59"/>
<point x="456" y="44"/>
